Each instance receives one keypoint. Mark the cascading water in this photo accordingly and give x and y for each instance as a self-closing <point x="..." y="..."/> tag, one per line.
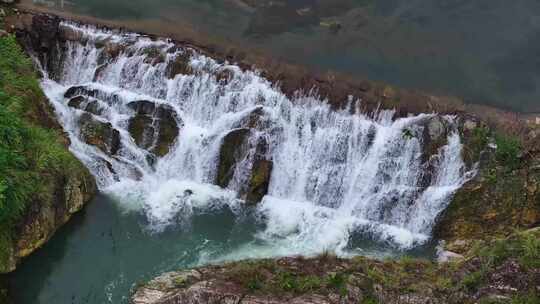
<point x="334" y="175"/>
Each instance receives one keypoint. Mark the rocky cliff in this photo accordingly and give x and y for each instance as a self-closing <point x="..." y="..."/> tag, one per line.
<point x="45" y="184"/>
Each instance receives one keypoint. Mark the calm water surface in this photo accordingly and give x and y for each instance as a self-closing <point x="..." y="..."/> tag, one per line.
<point x="483" y="50"/>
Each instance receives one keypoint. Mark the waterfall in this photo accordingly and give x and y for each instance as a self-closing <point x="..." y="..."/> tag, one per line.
<point x="334" y="174"/>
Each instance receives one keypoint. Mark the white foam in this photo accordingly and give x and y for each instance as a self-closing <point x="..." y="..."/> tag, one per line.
<point x="334" y="174"/>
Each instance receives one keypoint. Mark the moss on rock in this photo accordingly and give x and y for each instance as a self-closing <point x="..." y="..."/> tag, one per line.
<point x="502" y="197"/>
<point x="154" y="127"/>
<point x="100" y="134"/>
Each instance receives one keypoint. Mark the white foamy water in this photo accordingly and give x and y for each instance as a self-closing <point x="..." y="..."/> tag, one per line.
<point x="335" y="175"/>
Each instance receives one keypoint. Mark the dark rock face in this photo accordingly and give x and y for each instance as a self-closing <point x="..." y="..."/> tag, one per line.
<point x="434" y="137"/>
<point x="180" y="65"/>
<point x="259" y="181"/>
<point x="237" y="146"/>
<point x="82" y="103"/>
<point x="42" y="36"/>
<point x="99" y="134"/>
<point x="80" y="91"/>
<point x="233" y="149"/>
<point x="154" y="127"/>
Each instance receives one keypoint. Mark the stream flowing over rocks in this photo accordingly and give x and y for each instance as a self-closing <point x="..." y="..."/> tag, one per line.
<point x="170" y="132"/>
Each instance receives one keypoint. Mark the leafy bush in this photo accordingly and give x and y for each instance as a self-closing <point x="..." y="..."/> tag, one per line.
<point x="508" y="149"/>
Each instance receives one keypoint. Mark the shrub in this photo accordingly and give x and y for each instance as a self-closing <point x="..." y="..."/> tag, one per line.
<point x="507" y="153"/>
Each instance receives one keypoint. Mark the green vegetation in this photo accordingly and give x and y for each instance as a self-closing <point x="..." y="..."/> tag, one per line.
<point x="523" y="246"/>
<point x="503" y="196"/>
<point x="31" y="151"/>
<point x="510" y="262"/>
<point x="507" y="153"/>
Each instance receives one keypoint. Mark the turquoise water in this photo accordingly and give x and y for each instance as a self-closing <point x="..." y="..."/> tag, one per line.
<point x="103" y="253"/>
<point x="484" y="50"/>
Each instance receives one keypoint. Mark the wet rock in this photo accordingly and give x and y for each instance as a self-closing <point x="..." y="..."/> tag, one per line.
<point x="77" y="101"/>
<point x="446" y="256"/>
<point x="234" y="148"/>
<point x="254" y="120"/>
<point x="82" y="103"/>
<point x="80" y="91"/>
<point x="434" y="137"/>
<point x="46" y="32"/>
<point x="109" y="50"/>
<point x="3" y="33"/>
<point x="237" y="147"/>
<point x="70" y="34"/>
<point x="224" y="76"/>
<point x="180" y="65"/>
<point x="436" y="128"/>
<point x="153" y="56"/>
<point x="94" y="108"/>
<point x="89" y="95"/>
<point x="99" y="134"/>
<point x="259" y="181"/>
<point x="154" y="127"/>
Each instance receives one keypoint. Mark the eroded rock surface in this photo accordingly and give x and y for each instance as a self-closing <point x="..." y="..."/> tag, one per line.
<point x="245" y="144"/>
<point x="100" y="134"/>
<point x="154" y="127"/>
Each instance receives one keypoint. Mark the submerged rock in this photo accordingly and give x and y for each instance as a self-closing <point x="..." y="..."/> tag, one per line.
<point x="154" y="127"/>
<point x="99" y="134"/>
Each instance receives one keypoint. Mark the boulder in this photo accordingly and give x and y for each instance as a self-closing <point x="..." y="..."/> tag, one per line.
<point x="99" y="134"/>
<point x="253" y="120"/>
<point x="82" y="103"/>
<point x="153" y="56"/>
<point x="235" y="148"/>
<point x="259" y="180"/>
<point x="154" y="127"/>
<point x="109" y="50"/>
<point x="77" y="102"/>
<point x="224" y="76"/>
<point x="180" y="65"/>
<point x="80" y="91"/>
<point x="89" y="93"/>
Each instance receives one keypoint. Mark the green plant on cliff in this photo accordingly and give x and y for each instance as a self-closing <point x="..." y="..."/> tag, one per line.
<point x="29" y="153"/>
<point x="508" y="149"/>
